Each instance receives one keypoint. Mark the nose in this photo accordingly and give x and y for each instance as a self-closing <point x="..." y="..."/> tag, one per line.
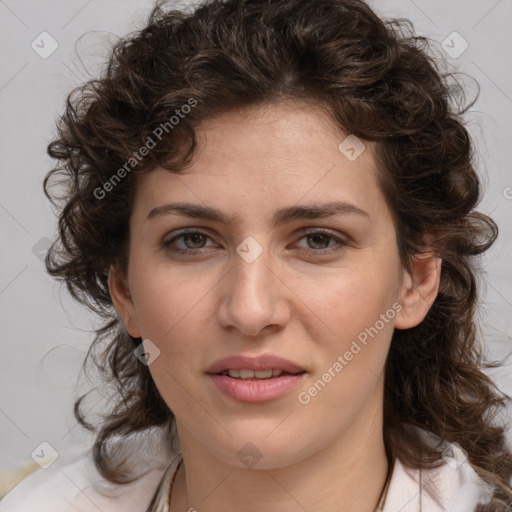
<point x="254" y="297"/>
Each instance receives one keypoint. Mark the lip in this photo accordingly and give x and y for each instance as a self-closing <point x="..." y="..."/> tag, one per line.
<point x="255" y="391"/>
<point x="264" y="362"/>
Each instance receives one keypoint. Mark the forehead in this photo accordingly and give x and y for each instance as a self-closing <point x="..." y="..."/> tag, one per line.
<point x="254" y="160"/>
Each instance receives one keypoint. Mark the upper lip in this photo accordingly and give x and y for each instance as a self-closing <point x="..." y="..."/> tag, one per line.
<point x="264" y="362"/>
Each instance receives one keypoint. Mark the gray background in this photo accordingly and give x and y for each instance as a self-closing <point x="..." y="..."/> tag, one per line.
<point x="44" y="334"/>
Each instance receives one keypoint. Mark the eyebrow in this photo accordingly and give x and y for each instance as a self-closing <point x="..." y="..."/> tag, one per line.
<point x="282" y="216"/>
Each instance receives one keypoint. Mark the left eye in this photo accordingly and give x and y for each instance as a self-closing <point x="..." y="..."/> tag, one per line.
<point x="320" y="238"/>
<point x="195" y="240"/>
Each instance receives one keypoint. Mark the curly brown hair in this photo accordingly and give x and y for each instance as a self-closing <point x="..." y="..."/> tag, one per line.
<point x="377" y="80"/>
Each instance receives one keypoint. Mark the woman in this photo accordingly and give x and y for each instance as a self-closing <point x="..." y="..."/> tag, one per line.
<point x="272" y="206"/>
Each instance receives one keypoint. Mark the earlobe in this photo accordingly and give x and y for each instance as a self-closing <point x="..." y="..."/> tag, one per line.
<point x="419" y="290"/>
<point x="122" y="300"/>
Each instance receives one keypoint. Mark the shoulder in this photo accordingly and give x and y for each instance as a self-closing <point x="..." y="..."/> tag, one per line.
<point x="73" y="483"/>
<point x="453" y="485"/>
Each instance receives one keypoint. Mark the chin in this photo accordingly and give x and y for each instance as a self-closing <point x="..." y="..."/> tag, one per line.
<point x="260" y="451"/>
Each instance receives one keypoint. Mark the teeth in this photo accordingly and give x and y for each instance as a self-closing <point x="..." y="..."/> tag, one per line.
<point x="263" y="374"/>
<point x="251" y="374"/>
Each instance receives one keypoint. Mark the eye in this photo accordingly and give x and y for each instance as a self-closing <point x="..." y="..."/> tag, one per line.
<point x="194" y="241"/>
<point x="319" y="240"/>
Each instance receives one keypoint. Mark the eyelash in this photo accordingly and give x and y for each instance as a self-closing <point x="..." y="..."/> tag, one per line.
<point x="321" y="252"/>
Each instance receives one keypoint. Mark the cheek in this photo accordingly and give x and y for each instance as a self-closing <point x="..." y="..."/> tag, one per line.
<point x="356" y="306"/>
<point x="167" y="298"/>
<point x="352" y="350"/>
<point x="354" y="298"/>
<point x="172" y="311"/>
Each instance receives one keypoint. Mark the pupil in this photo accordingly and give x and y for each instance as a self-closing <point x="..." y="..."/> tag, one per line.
<point x="196" y="236"/>
<point x="316" y="236"/>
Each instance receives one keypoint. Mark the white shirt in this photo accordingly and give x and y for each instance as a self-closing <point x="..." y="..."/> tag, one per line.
<point x="72" y="483"/>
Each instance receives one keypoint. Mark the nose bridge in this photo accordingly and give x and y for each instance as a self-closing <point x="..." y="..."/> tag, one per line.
<point x="252" y="299"/>
<point x="252" y="272"/>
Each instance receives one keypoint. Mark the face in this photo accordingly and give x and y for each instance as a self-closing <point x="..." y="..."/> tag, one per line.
<point x="323" y="292"/>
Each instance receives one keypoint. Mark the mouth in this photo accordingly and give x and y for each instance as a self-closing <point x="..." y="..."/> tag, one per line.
<point x="255" y="379"/>
<point x="246" y="374"/>
<point x="246" y="367"/>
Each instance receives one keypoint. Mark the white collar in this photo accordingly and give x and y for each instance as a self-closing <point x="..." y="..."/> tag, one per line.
<point x="440" y="489"/>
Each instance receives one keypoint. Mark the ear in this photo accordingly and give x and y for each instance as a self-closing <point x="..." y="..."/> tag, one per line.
<point x="122" y="300"/>
<point x="419" y="290"/>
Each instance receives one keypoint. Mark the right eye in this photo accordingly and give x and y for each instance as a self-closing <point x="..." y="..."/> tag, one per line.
<point x="193" y="239"/>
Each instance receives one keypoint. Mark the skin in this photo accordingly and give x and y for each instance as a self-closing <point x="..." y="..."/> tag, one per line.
<point x="327" y="455"/>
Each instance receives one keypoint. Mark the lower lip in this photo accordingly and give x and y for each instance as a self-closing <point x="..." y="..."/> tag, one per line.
<point x="256" y="390"/>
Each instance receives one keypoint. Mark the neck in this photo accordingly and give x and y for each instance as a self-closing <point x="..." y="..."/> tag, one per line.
<point x="347" y="475"/>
